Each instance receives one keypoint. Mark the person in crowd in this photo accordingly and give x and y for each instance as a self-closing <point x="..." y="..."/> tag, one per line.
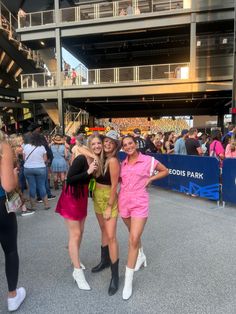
<point x="216" y="148"/>
<point x="72" y="206"/>
<point x="169" y="140"/>
<point x="66" y="69"/>
<point x="106" y="208"/>
<point x="180" y="148"/>
<point x="68" y="147"/>
<point x="140" y="141"/>
<point x="35" y="156"/>
<point x="192" y="144"/>
<point x="150" y="146"/>
<point x="36" y="128"/>
<point x="16" y="143"/>
<point x="8" y="227"/>
<point x="59" y="162"/>
<point x="137" y="11"/>
<point x="22" y="17"/>
<point x="205" y="145"/>
<point x="227" y="137"/>
<point x="136" y="175"/>
<point x="129" y="9"/>
<point x="230" y="151"/>
<point x="122" y="12"/>
<point x="73" y="76"/>
<point x="79" y="145"/>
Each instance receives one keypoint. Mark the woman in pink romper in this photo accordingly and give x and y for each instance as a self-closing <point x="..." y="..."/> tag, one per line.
<point x="136" y="176"/>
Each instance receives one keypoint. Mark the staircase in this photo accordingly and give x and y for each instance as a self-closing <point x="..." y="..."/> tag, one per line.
<point x="73" y="119"/>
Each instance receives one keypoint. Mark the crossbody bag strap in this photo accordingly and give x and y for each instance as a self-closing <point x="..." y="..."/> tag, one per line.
<point x="30" y="153"/>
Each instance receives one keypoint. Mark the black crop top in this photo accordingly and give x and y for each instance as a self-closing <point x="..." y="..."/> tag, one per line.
<point x="104" y="179"/>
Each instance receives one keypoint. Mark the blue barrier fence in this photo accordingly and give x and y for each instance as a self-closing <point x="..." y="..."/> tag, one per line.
<point x="229" y="180"/>
<point x="199" y="176"/>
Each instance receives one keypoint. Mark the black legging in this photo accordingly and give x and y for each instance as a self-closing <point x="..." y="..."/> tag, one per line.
<point x="8" y="240"/>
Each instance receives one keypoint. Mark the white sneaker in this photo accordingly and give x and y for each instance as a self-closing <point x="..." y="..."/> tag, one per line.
<point x="15" y="303"/>
<point x="78" y="275"/>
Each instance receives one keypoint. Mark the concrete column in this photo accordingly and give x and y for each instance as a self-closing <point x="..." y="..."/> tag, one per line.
<point x="193" y="43"/>
<point x="61" y="110"/>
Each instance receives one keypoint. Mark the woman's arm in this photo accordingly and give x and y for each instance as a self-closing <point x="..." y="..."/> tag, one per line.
<point x="114" y="167"/>
<point x="8" y="174"/>
<point x="168" y="150"/>
<point x="45" y="157"/>
<point x="77" y="172"/>
<point x="162" y="173"/>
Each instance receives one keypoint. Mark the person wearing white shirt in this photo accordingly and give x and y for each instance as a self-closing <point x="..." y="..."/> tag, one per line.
<point x="35" y="156"/>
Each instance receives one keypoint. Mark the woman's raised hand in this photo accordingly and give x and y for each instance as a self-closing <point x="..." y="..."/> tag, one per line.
<point x="92" y="167"/>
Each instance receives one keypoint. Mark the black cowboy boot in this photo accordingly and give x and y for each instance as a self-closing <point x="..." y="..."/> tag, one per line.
<point x="114" y="284"/>
<point x="105" y="260"/>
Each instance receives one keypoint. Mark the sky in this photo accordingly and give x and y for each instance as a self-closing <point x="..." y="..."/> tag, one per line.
<point x="70" y="59"/>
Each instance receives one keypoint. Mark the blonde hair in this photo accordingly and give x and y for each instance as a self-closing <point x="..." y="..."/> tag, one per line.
<point x="100" y="158"/>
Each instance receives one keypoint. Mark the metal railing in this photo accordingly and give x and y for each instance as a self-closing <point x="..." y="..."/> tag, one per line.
<point x="95" y="11"/>
<point x="144" y="73"/>
<point x="119" y="9"/>
<point x="38" y="80"/>
<point x="36" y="19"/>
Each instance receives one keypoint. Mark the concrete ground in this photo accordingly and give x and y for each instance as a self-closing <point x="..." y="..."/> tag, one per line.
<point x="191" y="252"/>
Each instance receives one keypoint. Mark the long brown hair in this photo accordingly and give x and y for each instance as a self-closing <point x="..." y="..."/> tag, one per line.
<point x="113" y="154"/>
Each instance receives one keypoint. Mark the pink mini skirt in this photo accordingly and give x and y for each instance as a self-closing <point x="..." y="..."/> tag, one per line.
<point x="70" y="207"/>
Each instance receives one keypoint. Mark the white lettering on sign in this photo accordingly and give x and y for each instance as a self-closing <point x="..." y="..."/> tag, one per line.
<point x="188" y="174"/>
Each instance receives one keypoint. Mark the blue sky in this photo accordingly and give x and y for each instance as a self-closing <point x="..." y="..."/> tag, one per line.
<point x="69" y="58"/>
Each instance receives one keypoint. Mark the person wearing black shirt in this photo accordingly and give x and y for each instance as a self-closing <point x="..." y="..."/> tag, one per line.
<point x="193" y="146"/>
<point x="72" y="206"/>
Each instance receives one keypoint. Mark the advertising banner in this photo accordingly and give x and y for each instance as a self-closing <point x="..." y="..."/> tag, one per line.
<point x="229" y="180"/>
<point x="190" y="175"/>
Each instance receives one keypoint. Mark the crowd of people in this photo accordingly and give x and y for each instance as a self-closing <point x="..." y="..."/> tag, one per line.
<point x="81" y="166"/>
<point x="190" y="142"/>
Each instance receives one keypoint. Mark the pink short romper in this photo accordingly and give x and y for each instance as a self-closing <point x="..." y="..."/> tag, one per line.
<point x="133" y="198"/>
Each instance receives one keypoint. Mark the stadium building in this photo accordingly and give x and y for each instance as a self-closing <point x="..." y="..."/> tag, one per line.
<point x="148" y="58"/>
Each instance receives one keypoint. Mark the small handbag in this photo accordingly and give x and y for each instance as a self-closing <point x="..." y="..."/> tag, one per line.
<point x="13" y="202"/>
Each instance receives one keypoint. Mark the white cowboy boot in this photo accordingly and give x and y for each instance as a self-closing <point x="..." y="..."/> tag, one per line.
<point x="82" y="266"/>
<point x="78" y="275"/>
<point x="127" y="291"/>
<point x="141" y="260"/>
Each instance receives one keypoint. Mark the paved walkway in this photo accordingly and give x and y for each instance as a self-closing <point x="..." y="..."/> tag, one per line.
<point x="191" y="251"/>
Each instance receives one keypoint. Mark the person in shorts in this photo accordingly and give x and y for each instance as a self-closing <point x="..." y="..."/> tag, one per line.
<point x="136" y="175"/>
<point x="106" y="209"/>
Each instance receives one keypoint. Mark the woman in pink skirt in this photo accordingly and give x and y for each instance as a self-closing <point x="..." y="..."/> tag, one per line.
<point x="136" y="175"/>
<point x="72" y="206"/>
